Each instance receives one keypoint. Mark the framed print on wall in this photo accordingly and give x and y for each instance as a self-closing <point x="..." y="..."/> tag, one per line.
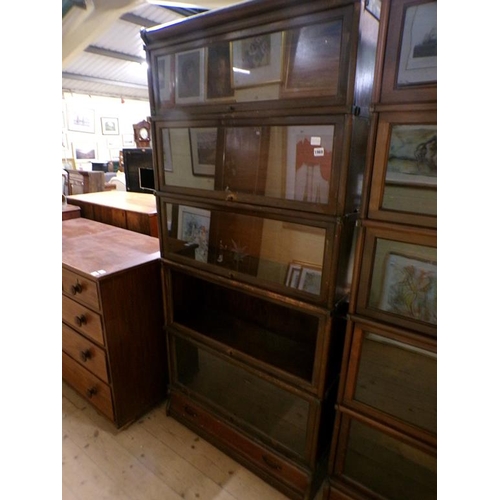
<point x="203" y="150"/>
<point x="81" y="120"/>
<point x="190" y="77"/>
<point x="109" y="126"/>
<point x="85" y="151"/>
<point x="257" y="60"/>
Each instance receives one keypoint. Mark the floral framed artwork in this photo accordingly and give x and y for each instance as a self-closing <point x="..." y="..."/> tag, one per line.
<point x="203" y="150"/>
<point x="257" y="60"/>
<point x="410" y="288"/>
<point x="190" y="76"/>
<point x="309" y="163"/>
<point x="194" y="227"/>
<point x="109" y="126"/>
<point x="81" y="120"/>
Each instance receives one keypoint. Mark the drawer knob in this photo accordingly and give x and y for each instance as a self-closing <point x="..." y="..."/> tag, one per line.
<point x="91" y="391"/>
<point x="84" y="355"/>
<point x="81" y="320"/>
<point x="76" y="288"/>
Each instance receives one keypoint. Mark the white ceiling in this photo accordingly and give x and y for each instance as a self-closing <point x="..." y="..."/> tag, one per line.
<point x="102" y="48"/>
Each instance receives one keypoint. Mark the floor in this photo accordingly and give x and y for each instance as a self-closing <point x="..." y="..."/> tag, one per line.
<point x="154" y="458"/>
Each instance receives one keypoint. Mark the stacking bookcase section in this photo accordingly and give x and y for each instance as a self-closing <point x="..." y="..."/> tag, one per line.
<point x="260" y="123"/>
<point x="285" y="338"/>
<point x="304" y="258"/>
<point x="376" y="461"/>
<point x="384" y="443"/>
<point x="398" y="276"/>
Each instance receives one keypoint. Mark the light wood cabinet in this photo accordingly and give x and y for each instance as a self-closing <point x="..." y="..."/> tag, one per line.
<point x="113" y="344"/>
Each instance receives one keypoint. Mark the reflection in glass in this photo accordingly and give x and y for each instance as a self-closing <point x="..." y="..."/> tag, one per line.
<point x="256" y="246"/>
<point x="283" y="162"/>
<point x="272" y="411"/>
<point x="398" y="379"/>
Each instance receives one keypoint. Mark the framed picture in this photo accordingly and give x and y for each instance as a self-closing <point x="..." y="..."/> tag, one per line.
<point x="189" y="77"/>
<point x="81" y="120"/>
<point x="373" y="7"/>
<point x="309" y="163"/>
<point x="313" y="50"/>
<point x="165" y="70"/>
<point x="418" y="59"/>
<point x="86" y="152"/>
<point x="257" y="60"/>
<point x="194" y="227"/>
<point x="219" y="71"/>
<point x="293" y="274"/>
<point x="167" y="151"/>
<point x="310" y="280"/>
<point x="203" y="150"/>
<point x="114" y="154"/>
<point x="128" y="141"/>
<point x="412" y="156"/>
<point x="409" y="288"/>
<point x="109" y="126"/>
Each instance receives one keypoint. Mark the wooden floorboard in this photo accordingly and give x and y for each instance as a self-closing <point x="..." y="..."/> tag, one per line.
<point x="154" y="458"/>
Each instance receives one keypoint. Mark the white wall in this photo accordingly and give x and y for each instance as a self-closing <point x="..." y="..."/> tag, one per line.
<point x="82" y="126"/>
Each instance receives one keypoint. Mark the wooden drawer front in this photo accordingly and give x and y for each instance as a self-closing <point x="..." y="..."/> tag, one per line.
<point x="85" y="352"/>
<point x="267" y="461"/>
<point x="88" y="385"/>
<point x="82" y="319"/>
<point x="83" y="290"/>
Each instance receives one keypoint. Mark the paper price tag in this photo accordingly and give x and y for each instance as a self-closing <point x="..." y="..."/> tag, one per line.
<point x="315" y="141"/>
<point x="319" y="151"/>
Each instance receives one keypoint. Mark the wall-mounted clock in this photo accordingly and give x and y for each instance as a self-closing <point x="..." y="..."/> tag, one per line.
<point x="142" y="134"/>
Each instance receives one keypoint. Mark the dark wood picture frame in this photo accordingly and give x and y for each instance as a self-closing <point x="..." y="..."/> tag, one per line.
<point x="401" y="46"/>
<point x="405" y="141"/>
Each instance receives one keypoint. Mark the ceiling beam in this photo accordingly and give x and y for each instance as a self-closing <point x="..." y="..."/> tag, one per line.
<point x="92" y="49"/>
<point x="93" y="79"/>
<point x="140" y="21"/>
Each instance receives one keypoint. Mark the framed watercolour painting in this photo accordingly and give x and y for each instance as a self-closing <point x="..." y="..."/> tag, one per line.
<point x="203" y="150"/>
<point x="194" y="227"/>
<point x="189" y="77"/>
<point x="257" y="60"/>
<point x="410" y="288"/>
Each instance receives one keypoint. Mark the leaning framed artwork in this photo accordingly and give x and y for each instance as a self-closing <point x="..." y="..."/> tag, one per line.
<point x="165" y="89"/>
<point x="310" y="279"/>
<point x="203" y="150"/>
<point x="257" y="60"/>
<point x="194" y="227"/>
<point x="219" y="71"/>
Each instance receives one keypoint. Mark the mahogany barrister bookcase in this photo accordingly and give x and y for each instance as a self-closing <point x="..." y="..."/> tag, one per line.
<point x="260" y="120"/>
<point x="385" y="437"/>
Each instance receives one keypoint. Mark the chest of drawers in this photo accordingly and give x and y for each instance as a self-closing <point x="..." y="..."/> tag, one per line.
<point x="113" y="344"/>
